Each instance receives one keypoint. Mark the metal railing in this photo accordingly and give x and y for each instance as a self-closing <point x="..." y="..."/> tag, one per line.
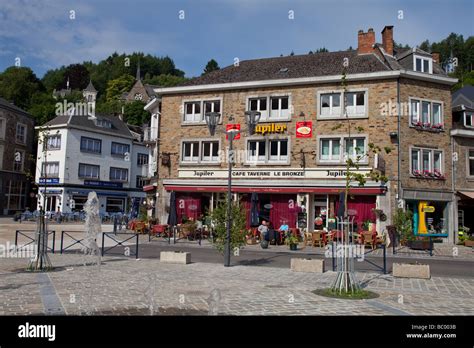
<point x="19" y="233"/>
<point x="75" y="240"/>
<point x="118" y="243"/>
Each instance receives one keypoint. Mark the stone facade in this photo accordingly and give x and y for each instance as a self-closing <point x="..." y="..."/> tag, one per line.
<point x="15" y="179"/>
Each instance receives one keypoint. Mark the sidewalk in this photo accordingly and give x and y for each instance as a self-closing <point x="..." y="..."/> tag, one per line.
<point x="126" y="286"/>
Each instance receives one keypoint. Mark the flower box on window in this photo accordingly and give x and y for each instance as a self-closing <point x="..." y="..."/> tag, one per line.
<point x="439" y="175"/>
<point x="417" y="173"/>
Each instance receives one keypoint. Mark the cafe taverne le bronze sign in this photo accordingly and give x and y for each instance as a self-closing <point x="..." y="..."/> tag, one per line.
<point x="270" y="128"/>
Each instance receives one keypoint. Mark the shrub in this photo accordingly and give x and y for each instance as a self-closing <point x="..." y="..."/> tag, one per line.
<point x="237" y="233"/>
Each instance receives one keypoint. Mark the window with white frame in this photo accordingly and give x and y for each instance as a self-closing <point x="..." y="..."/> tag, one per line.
<point x="423" y="64"/>
<point x="21" y="133"/>
<point x="267" y="151"/>
<point x="212" y="106"/>
<point x="190" y="151"/>
<point x="118" y="174"/>
<point x="279" y="107"/>
<point x="355" y="103"/>
<point x="50" y="170"/>
<point x="426" y="114"/>
<point x="103" y="123"/>
<point x="89" y="171"/>
<point x="259" y="104"/>
<point x="18" y="160"/>
<point x="3" y="127"/>
<point x="91" y="145"/>
<point x="470" y="164"/>
<point x="119" y="149"/>
<point x="202" y="151"/>
<point x="330" y="104"/>
<point x="209" y="151"/>
<point x="354" y="148"/>
<point x="468" y="120"/>
<point x="192" y="112"/>
<point x="426" y="162"/>
<point x="330" y="150"/>
<point x="142" y="159"/>
<point x="53" y="142"/>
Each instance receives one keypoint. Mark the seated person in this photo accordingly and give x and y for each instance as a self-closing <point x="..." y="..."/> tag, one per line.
<point x="263" y="229"/>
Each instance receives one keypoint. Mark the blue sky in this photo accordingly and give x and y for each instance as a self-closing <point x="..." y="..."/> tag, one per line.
<point x="43" y="36"/>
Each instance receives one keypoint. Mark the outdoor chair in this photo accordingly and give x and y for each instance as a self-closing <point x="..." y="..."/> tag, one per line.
<point x="308" y="238"/>
<point x="368" y="238"/>
<point x="317" y="238"/>
<point x="140" y="227"/>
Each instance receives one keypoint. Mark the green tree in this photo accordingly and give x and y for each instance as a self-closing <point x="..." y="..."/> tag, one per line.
<point x="237" y="233"/>
<point x="43" y="107"/>
<point x="54" y="79"/>
<point x="135" y="114"/>
<point x="116" y="87"/>
<point x="321" y="50"/>
<point x="165" y="80"/>
<point x="78" y="76"/>
<point x="18" y="85"/>
<point x="211" y="66"/>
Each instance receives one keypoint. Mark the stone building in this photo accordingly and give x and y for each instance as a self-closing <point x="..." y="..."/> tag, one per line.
<point x="462" y="135"/>
<point x="17" y="134"/>
<point x="396" y="99"/>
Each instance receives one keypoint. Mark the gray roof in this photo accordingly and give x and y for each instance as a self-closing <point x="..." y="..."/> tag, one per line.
<point x="118" y="126"/>
<point x="90" y="87"/>
<point x="150" y="90"/>
<point x="308" y="65"/>
<point x="466" y="91"/>
<point x="5" y="103"/>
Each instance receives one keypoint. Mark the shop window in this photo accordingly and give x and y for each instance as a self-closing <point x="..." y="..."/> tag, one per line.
<point x="118" y="174"/>
<point x="15" y="193"/>
<point x="114" y="205"/>
<point x="79" y="202"/>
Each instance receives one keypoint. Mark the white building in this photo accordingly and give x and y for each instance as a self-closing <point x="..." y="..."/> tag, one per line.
<point x="85" y="154"/>
<point x="153" y="142"/>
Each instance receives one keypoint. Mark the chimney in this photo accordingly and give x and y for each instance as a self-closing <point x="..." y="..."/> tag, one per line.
<point x="387" y="39"/>
<point x="366" y="41"/>
<point x="435" y="56"/>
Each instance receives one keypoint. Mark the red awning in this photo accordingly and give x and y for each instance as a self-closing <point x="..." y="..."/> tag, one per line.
<point x="149" y="188"/>
<point x="319" y="190"/>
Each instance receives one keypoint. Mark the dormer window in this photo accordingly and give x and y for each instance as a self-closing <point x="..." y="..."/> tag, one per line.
<point x="103" y="123"/>
<point x="423" y="64"/>
<point x="468" y="120"/>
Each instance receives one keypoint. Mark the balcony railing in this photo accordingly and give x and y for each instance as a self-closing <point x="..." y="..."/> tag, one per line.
<point x="149" y="134"/>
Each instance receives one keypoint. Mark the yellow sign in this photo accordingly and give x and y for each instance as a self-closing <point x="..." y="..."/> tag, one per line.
<point x="428" y="209"/>
<point x="270" y="128"/>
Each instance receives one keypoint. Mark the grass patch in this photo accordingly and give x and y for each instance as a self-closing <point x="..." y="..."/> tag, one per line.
<point x="356" y="295"/>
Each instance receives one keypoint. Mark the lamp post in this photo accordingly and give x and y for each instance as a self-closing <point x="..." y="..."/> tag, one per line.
<point x="212" y="119"/>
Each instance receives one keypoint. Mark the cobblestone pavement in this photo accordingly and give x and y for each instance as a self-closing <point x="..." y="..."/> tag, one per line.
<point x="122" y="286"/>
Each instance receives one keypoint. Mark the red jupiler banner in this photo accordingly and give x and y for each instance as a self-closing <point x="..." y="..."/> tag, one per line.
<point x="231" y="127"/>
<point x="304" y="129"/>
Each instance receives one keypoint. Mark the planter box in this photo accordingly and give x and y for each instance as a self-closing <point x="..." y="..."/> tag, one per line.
<point x="469" y="243"/>
<point x="175" y="257"/>
<point x="306" y="265"/>
<point x="406" y="270"/>
<point x="419" y="245"/>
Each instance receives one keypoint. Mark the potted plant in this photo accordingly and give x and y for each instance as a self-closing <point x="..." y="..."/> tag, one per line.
<point x="402" y="221"/>
<point x="292" y="242"/>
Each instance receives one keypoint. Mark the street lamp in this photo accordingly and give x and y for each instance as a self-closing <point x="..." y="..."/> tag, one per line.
<point x="212" y="119"/>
